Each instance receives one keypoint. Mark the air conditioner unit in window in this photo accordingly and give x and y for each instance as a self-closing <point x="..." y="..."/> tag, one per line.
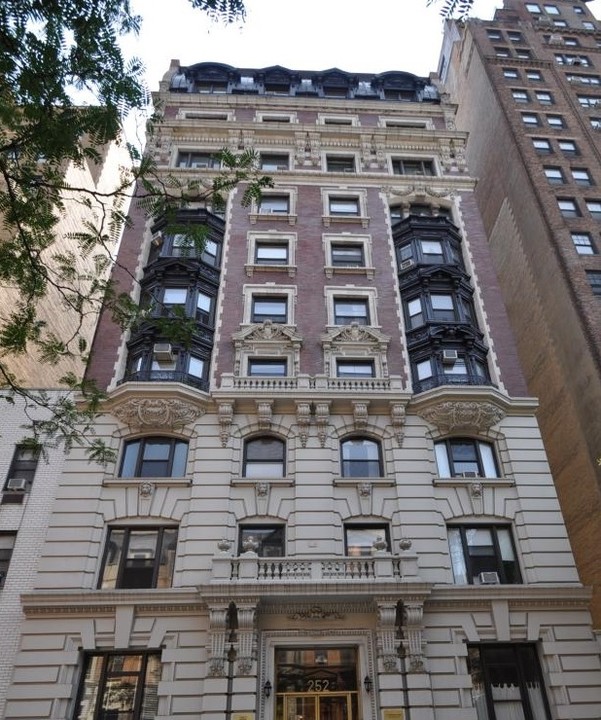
<point x="489" y="578"/>
<point x="157" y="239"/>
<point x="406" y="264"/>
<point x="468" y="474"/>
<point x="449" y="356"/>
<point x="16" y="484"/>
<point x="163" y="352"/>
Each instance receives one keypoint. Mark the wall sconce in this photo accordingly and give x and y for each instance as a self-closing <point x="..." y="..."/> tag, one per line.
<point x="267" y="689"/>
<point x="368" y="684"/>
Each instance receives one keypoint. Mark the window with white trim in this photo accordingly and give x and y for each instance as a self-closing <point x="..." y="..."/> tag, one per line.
<point x="271" y="251"/>
<point x="269" y="302"/>
<point x="465" y="457"/>
<point x="483" y="554"/>
<point x="264" y="456"/>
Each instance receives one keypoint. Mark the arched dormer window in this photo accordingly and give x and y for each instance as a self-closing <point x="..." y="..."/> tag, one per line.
<point x="264" y="456"/>
<point x="154" y="457"/>
<point x="465" y="457"/>
<point x="361" y="457"/>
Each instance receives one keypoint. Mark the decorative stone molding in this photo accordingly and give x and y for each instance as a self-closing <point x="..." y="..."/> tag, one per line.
<point x="397" y="418"/>
<point x="262" y="489"/>
<point x="247" y="639"/>
<point x="461" y="415"/>
<point x="364" y="490"/>
<point x="355" y="341"/>
<point x="270" y="339"/>
<point x="322" y="420"/>
<point x="218" y="633"/>
<point x="145" y="489"/>
<point x="413" y="613"/>
<point x="360" y="414"/>
<point x="225" y="414"/>
<point x="264" y="414"/>
<point x="316" y="612"/>
<point x="303" y="420"/>
<point x="225" y="546"/>
<point x="386" y="637"/>
<point x="157" y="412"/>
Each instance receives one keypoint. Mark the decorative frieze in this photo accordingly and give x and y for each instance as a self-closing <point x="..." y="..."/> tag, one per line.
<point x="476" y="416"/>
<point x="157" y="412"/>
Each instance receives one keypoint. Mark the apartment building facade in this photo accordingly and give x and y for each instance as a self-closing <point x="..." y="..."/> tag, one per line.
<point x="333" y="500"/>
<point x="528" y="90"/>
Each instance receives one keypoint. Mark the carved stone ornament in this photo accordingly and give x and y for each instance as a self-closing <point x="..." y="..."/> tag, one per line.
<point x="364" y="490"/>
<point x="360" y="414"/>
<point x="322" y="420"/>
<point x="262" y="489"/>
<point x="264" y="413"/>
<point x="471" y="416"/>
<point x="303" y="420"/>
<point x="224" y="546"/>
<point x="226" y="417"/>
<point x="397" y="418"/>
<point x="145" y="489"/>
<point x="157" y="412"/>
<point x="316" y="612"/>
<point x="476" y="489"/>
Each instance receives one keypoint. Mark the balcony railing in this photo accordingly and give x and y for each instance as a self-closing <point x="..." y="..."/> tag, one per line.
<point x="451" y="379"/>
<point x="166" y="376"/>
<point x="309" y="382"/>
<point x="250" y="568"/>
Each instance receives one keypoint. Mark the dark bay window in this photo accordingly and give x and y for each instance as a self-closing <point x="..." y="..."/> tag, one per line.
<point x="205" y="307"/>
<point x="450" y="367"/>
<point x="366" y="540"/>
<point x="154" y="457"/>
<point x="267" y="367"/>
<point x="264" y="457"/>
<point x="119" y="686"/>
<point x="351" y="310"/>
<point x="269" y="307"/>
<point x="483" y="555"/>
<point x="139" y="557"/>
<point x="464" y="457"/>
<point x="507" y="682"/>
<point x="264" y="540"/>
<point x="361" y="457"/>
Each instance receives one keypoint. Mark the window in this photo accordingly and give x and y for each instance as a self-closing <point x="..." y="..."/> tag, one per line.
<point x="139" y="557"/>
<point x="415" y="312"/>
<point x="264" y="540"/>
<point x="264" y="457"/>
<point x="520" y="96"/>
<point x="211" y="252"/>
<point x="560" y="23"/>
<point x="589" y="101"/>
<point x="530" y="119"/>
<point x="412" y="167"/>
<point x="507" y="682"/>
<point x="351" y="310"/>
<point x="568" y="207"/>
<point x="357" y="369"/>
<point x="494" y="35"/>
<point x="205" y="306"/>
<point x="555" y="121"/>
<point x="585" y="79"/>
<point x="119" y="686"/>
<point x="510" y="73"/>
<point x="523" y="54"/>
<point x="174" y="298"/>
<point x="502" y="52"/>
<point x="274" y="205"/>
<point x="269" y="118"/>
<point x="581" y="176"/>
<point x="551" y="10"/>
<point x="21" y="472"/>
<point x="274" y="161"/>
<point x="554" y="175"/>
<point x="349" y="255"/>
<point x="431" y="251"/>
<point x="271" y="253"/>
<point x="541" y="145"/>
<point x="361" y="457"/>
<point x="594" y="207"/>
<point x="587" y="25"/>
<point x="340" y="163"/>
<point x="7" y="542"/>
<point x="514" y="36"/>
<point x="483" y="554"/>
<point x="533" y="8"/>
<point x="571" y="42"/>
<point x="343" y="206"/>
<point x="267" y="367"/>
<point x="583" y="243"/>
<point x="595" y="123"/>
<point x="206" y="160"/>
<point x="568" y="147"/>
<point x="464" y="457"/>
<point x="544" y="97"/>
<point x="337" y="121"/>
<point x="154" y="457"/>
<point x="366" y="540"/>
<point x="443" y="308"/>
<point x="534" y="75"/>
<point x="594" y="279"/>
<point x="269" y="307"/>
<point x="578" y="10"/>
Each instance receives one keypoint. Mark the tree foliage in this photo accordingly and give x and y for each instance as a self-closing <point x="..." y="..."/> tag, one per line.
<point x="65" y="89"/>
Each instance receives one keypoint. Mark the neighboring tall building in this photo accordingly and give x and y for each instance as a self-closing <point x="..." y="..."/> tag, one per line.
<point x="334" y="502"/>
<point x="528" y="89"/>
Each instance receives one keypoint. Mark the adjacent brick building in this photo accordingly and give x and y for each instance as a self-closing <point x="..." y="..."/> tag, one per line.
<point x="333" y="501"/>
<point x="528" y="90"/>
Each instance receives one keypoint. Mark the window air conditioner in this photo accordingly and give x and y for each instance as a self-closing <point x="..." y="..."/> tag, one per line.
<point x="16" y="484"/>
<point x="157" y="239"/>
<point x="468" y="474"/>
<point x="406" y="264"/>
<point x="163" y="352"/>
<point x="449" y="356"/>
<point x="489" y="578"/>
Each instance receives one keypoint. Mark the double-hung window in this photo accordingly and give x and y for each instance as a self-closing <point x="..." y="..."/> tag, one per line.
<point x="274" y="205"/>
<point x="270" y="162"/>
<point x="357" y="369"/>
<point x="264" y="457"/>
<point x="351" y="310"/>
<point x="464" y="457"/>
<point x="340" y="163"/>
<point x="483" y="555"/>
<point x="267" y="367"/>
<point x="154" y="457"/>
<point x="344" y="206"/>
<point x="347" y="255"/>
<point x="361" y="457"/>
<point x="270" y="253"/>
<point x="269" y="307"/>
<point x="583" y="243"/>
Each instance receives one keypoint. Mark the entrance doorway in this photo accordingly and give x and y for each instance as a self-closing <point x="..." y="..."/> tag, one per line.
<point x="316" y="683"/>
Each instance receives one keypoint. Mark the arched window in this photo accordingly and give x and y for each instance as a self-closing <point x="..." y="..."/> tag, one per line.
<point x="465" y="457"/>
<point x="361" y="457"/>
<point x="264" y="456"/>
<point x="154" y="457"/>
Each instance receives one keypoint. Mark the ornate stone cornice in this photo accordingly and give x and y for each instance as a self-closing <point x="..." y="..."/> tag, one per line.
<point x="157" y="412"/>
<point x="463" y="415"/>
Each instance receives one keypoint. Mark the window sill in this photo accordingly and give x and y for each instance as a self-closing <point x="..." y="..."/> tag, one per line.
<point x="112" y="481"/>
<point x="354" y="219"/>
<point x="356" y="481"/>
<point x="262" y="481"/>
<point x="466" y="482"/>
<point x="289" y="269"/>
<point x="331" y="270"/>
<point x="256" y="217"/>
